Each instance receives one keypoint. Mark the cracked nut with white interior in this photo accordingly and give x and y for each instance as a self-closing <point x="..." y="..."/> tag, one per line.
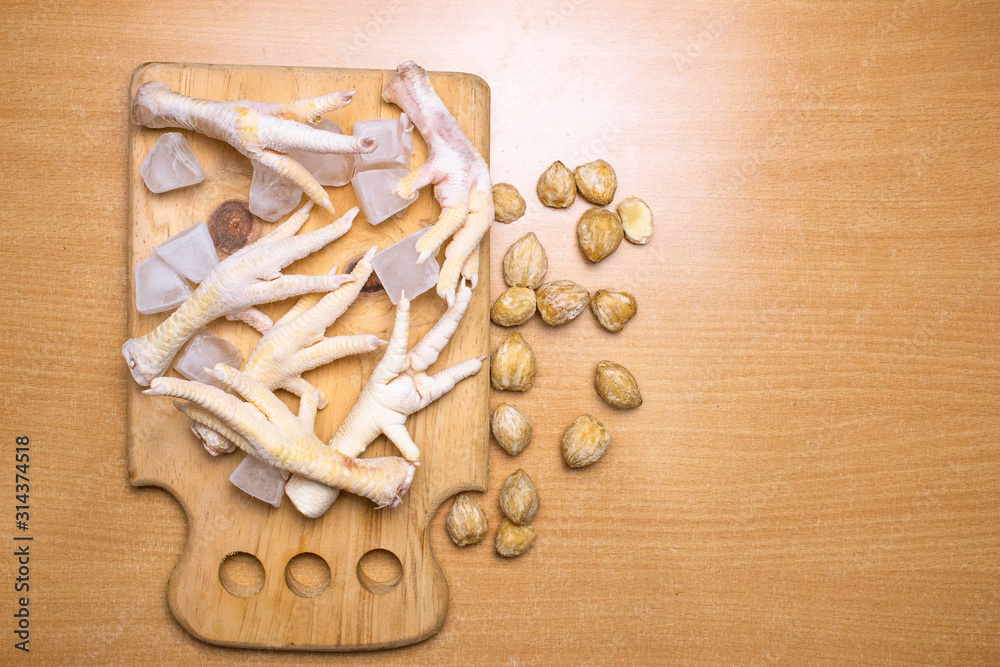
<point x="617" y="386"/>
<point x="513" y="307"/>
<point x="511" y="428"/>
<point x="557" y="186"/>
<point x="560" y="301"/>
<point x="613" y="308"/>
<point x="508" y="204"/>
<point x="637" y="220"/>
<point x="519" y="498"/>
<point x="584" y="442"/>
<point x="467" y="522"/>
<point x="525" y="263"/>
<point x="512" y="366"/>
<point x="513" y="540"/>
<point x="600" y="233"/>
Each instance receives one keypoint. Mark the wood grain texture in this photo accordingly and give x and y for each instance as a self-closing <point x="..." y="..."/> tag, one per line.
<point x="812" y="478"/>
<point x="452" y="433"/>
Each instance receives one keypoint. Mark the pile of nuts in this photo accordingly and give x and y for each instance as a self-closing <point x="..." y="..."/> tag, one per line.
<point x="600" y="232"/>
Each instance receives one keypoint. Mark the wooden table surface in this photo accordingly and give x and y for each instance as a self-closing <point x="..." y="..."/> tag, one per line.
<point x="815" y="473"/>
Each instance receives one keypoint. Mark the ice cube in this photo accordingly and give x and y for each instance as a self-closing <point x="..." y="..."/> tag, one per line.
<point x="395" y="143"/>
<point x="260" y="480"/>
<point x="190" y="253"/>
<point x="205" y="351"/>
<point x="374" y="192"/>
<point x="171" y="164"/>
<point x="158" y="287"/>
<point x="328" y="168"/>
<point x="395" y="268"/>
<point x="272" y="195"/>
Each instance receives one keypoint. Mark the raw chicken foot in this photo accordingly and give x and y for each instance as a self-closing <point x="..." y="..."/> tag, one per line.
<point x="276" y="436"/>
<point x="245" y="279"/>
<point x="262" y="131"/>
<point x="398" y="387"/>
<point x="459" y="174"/>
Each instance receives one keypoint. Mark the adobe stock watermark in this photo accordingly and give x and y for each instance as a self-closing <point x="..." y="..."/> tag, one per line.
<point x="751" y="162"/>
<point x="563" y="11"/>
<point x="901" y="13"/>
<point x="597" y="147"/>
<point x="708" y="34"/>
<point x="365" y="38"/>
<point x="885" y="199"/>
<point x="929" y="328"/>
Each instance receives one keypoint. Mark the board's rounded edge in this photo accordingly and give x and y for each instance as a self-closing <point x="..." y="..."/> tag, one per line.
<point x="480" y="83"/>
<point x="139" y="75"/>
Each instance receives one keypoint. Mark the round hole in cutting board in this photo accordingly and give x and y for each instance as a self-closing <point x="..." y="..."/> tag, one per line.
<point x="241" y="574"/>
<point x="379" y="571"/>
<point x="307" y="575"/>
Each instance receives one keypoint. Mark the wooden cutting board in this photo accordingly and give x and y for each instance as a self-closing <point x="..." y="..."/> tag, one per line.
<point x="251" y="575"/>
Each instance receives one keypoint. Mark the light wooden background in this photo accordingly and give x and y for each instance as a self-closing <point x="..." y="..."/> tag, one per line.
<point x="815" y="473"/>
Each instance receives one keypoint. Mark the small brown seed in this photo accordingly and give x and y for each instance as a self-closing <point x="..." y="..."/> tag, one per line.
<point x="525" y="263"/>
<point x="637" y="220"/>
<point x="519" y="498"/>
<point x="556" y="186"/>
<point x="584" y="442"/>
<point x="597" y="182"/>
<point x="511" y="428"/>
<point x="560" y="301"/>
<point x="508" y="204"/>
<point x="514" y="306"/>
<point x="613" y="308"/>
<point x="617" y="386"/>
<point x="512" y="366"/>
<point x="600" y="233"/>
<point x="513" y="540"/>
<point x="466" y="522"/>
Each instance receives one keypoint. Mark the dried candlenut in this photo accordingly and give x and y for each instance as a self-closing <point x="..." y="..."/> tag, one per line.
<point x="637" y="220"/>
<point x="525" y="263"/>
<point x="519" y="498"/>
<point x="560" y="301"/>
<point x="584" y="442"/>
<point x="511" y="428"/>
<point x="617" y="386"/>
<point x="466" y="522"/>
<point x="513" y="540"/>
<point x="508" y="204"/>
<point x="514" y="306"/>
<point x="512" y="366"/>
<point x="600" y="233"/>
<point x="613" y="308"/>
<point x="557" y="186"/>
<point x="597" y="182"/>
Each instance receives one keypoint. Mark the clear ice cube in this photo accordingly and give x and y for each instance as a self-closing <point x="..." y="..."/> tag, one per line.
<point x="328" y="168"/>
<point x="171" y="164"/>
<point x="190" y="253"/>
<point x="158" y="287"/>
<point x="205" y="350"/>
<point x="272" y="195"/>
<point x="374" y="192"/>
<point x="260" y="480"/>
<point x="395" y="143"/>
<point x="397" y="271"/>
